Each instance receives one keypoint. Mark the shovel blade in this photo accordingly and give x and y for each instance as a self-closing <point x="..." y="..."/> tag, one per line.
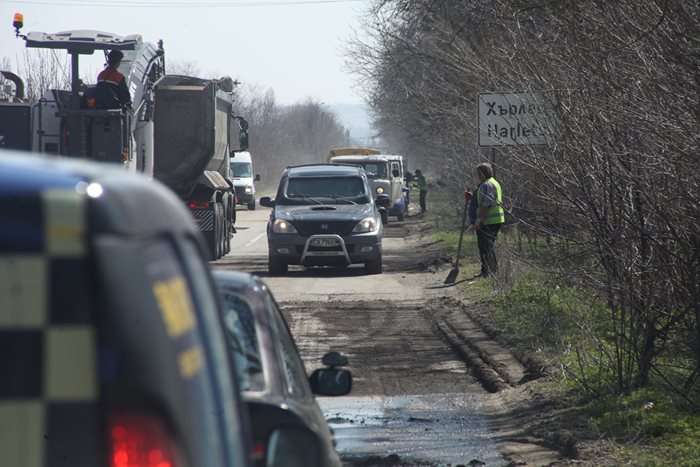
<point x="452" y="276"/>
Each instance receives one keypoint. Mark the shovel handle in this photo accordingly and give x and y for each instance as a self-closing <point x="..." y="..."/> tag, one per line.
<point x="467" y="198"/>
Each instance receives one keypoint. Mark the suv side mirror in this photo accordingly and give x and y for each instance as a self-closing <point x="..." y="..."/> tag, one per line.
<point x="257" y="178"/>
<point x="331" y="382"/>
<point x="242" y="133"/>
<point x="267" y="202"/>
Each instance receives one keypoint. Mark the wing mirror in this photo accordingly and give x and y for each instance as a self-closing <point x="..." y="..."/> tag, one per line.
<point x="257" y="178"/>
<point x="242" y="133"/>
<point x="292" y="446"/>
<point x="331" y="381"/>
<point x="267" y="202"/>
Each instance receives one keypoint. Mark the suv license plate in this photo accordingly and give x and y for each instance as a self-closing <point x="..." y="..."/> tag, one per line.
<point x="324" y="242"/>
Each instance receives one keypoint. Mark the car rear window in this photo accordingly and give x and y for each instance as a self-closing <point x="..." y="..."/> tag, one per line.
<point x="295" y="375"/>
<point x="242" y="338"/>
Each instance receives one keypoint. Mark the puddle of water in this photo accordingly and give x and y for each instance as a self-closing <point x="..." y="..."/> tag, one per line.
<point x="440" y="429"/>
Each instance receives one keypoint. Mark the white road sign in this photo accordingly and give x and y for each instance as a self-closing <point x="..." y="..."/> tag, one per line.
<point x="510" y="119"/>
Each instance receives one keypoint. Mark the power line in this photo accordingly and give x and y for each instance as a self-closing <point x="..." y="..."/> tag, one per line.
<point x="170" y="4"/>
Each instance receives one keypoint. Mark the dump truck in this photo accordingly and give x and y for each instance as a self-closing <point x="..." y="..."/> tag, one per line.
<point x="195" y="131"/>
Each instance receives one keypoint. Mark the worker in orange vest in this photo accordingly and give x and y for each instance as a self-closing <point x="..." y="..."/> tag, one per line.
<point x="111" y="90"/>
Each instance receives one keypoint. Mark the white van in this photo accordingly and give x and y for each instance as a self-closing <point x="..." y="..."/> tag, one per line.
<point x="243" y="181"/>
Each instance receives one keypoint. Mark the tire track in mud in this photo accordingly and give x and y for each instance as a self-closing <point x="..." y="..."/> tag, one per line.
<point x="392" y="346"/>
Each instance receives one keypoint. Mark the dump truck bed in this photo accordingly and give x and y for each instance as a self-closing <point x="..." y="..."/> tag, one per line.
<point x="191" y="130"/>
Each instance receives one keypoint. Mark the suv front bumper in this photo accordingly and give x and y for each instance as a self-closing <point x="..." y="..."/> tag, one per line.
<point x="324" y="249"/>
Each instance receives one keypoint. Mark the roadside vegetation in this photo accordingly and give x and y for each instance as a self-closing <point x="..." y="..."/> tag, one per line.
<point x="566" y="328"/>
<point x="600" y="261"/>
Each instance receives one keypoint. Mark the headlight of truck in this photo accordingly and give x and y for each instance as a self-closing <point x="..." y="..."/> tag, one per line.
<point x="380" y="190"/>
<point x="248" y="189"/>
<point x="366" y="225"/>
<point x="283" y="227"/>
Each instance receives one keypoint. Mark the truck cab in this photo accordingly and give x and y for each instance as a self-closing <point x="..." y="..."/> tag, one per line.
<point x="384" y="178"/>
<point x="111" y="343"/>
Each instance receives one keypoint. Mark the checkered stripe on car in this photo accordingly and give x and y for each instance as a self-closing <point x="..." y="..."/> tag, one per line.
<point x="48" y="367"/>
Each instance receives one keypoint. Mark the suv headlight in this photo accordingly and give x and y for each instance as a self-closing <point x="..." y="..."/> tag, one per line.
<point x="380" y="190"/>
<point x="248" y="189"/>
<point x="283" y="227"/>
<point x="368" y="224"/>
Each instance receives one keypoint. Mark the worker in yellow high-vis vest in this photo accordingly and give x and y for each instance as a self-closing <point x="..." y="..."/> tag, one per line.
<point x="490" y="216"/>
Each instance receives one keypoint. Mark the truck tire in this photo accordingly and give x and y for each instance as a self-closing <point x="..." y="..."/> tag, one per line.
<point x="212" y="241"/>
<point x="251" y="206"/>
<point x="230" y="212"/>
<point x="221" y="235"/>
<point x="276" y="267"/>
<point x="227" y="238"/>
<point x="374" y="266"/>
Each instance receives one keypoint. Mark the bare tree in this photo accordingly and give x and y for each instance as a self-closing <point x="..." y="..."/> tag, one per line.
<point x="617" y="186"/>
<point x="281" y="136"/>
<point x="183" y="67"/>
<point x="42" y="70"/>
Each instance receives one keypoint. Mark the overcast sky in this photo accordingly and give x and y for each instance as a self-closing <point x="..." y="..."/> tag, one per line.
<point x="292" y="46"/>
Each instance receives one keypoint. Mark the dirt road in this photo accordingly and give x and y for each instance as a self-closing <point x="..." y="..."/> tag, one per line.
<point x="426" y="377"/>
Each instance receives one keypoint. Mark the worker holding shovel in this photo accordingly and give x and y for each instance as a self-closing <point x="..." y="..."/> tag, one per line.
<point x="486" y="214"/>
<point x="490" y="216"/>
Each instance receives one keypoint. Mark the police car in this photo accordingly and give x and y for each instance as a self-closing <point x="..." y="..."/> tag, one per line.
<point x="111" y="344"/>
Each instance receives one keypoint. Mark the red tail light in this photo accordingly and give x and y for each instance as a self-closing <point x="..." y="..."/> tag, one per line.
<point x="138" y="440"/>
<point x="198" y="204"/>
<point x="258" y="451"/>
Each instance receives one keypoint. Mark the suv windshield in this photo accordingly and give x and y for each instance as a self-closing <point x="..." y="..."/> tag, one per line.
<point x="307" y="190"/>
<point x="241" y="169"/>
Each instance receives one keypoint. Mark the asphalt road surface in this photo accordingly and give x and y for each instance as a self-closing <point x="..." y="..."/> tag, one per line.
<point x="414" y="401"/>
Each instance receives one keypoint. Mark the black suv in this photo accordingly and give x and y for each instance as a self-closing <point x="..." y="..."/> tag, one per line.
<point x="325" y="215"/>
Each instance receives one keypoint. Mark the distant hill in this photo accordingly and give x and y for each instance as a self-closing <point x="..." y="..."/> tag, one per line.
<point x="354" y="117"/>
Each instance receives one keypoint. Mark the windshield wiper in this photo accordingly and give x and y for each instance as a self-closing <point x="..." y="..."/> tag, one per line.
<point x="303" y="196"/>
